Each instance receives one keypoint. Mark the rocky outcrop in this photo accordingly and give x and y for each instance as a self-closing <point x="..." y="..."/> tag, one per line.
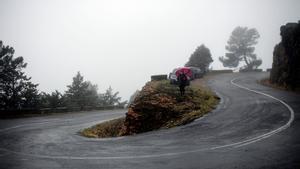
<point x="160" y="105"/>
<point x="286" y="57"/>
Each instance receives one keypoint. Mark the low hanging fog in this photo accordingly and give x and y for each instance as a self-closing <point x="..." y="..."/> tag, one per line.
<point x="121" y="43"/>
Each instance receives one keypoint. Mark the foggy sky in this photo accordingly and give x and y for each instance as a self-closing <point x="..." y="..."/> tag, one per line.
<point x="123" y="42"/>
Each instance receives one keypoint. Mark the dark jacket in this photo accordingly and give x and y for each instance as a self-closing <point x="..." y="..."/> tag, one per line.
<point x="182" y="80"/>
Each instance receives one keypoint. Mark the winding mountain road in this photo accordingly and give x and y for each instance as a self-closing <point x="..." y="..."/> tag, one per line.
<point x="253" y="127"/>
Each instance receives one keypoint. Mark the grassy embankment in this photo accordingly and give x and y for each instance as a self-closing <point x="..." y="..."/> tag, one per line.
<point x="197" y="101"/>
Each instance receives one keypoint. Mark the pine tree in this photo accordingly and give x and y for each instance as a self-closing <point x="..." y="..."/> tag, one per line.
<point x="201" y="58"/>
<point x="16" y="90"/>
<point x="82" y="93"/>
<point x="91" y="94"/>
<point x="53" y="100"/>
<point x="240" y="47"/>
<point x="110" y="98"/>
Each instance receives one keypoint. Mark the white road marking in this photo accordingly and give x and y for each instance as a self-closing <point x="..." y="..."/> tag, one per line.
<point x="9" y="128"/>
<point x="266" y="135"/>
<point x="233" y="145"/>
<point x="18" y="126"/>
<point x="33" y="122"/>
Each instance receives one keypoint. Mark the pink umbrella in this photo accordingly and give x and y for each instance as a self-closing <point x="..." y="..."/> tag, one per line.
<point x="185" y="70"/>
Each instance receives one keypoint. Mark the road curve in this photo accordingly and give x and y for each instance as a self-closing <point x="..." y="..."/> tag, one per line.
<point x="253" y="127"/>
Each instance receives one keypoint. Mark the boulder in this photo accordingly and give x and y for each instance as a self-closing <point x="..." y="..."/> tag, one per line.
<point x="286" y="57"/>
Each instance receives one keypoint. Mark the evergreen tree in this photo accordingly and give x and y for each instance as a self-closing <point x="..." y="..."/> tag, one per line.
<point x="91" y="94"/>
<point x="109" y="98"/>
<point x="16" y="90"/>
<point x="201" y="58"/>
<point x="53" y="100"/>
<point x="30" y="95"/>
<point x="81" y="93"/>
<point x="75" y="92"/>
<point x="240" y="47"/>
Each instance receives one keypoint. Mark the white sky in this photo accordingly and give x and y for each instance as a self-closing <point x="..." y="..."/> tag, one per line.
<point x="123" y="42"/>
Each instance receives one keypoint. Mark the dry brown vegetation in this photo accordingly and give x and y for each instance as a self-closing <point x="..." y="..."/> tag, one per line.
<point x="158" y="105"/>
<point x="267" y="82"/>
<point x="109" y="128"/>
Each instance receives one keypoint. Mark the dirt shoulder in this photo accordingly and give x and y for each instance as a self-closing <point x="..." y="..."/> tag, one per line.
<point x="267" y="82"/>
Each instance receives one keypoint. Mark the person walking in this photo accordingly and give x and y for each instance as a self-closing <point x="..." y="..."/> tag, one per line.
<point x="182" y="82"/>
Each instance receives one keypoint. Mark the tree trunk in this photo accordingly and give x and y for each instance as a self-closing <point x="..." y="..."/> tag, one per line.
<point x="246" y="61"/>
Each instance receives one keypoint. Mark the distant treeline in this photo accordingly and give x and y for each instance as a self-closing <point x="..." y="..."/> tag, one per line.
<point x="19" y="94"/>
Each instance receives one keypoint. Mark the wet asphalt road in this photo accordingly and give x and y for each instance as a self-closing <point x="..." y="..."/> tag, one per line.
<point x="247" y="130"/>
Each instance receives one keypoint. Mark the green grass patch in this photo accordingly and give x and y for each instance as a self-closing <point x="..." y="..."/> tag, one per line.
<point x="197" y="101"/>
